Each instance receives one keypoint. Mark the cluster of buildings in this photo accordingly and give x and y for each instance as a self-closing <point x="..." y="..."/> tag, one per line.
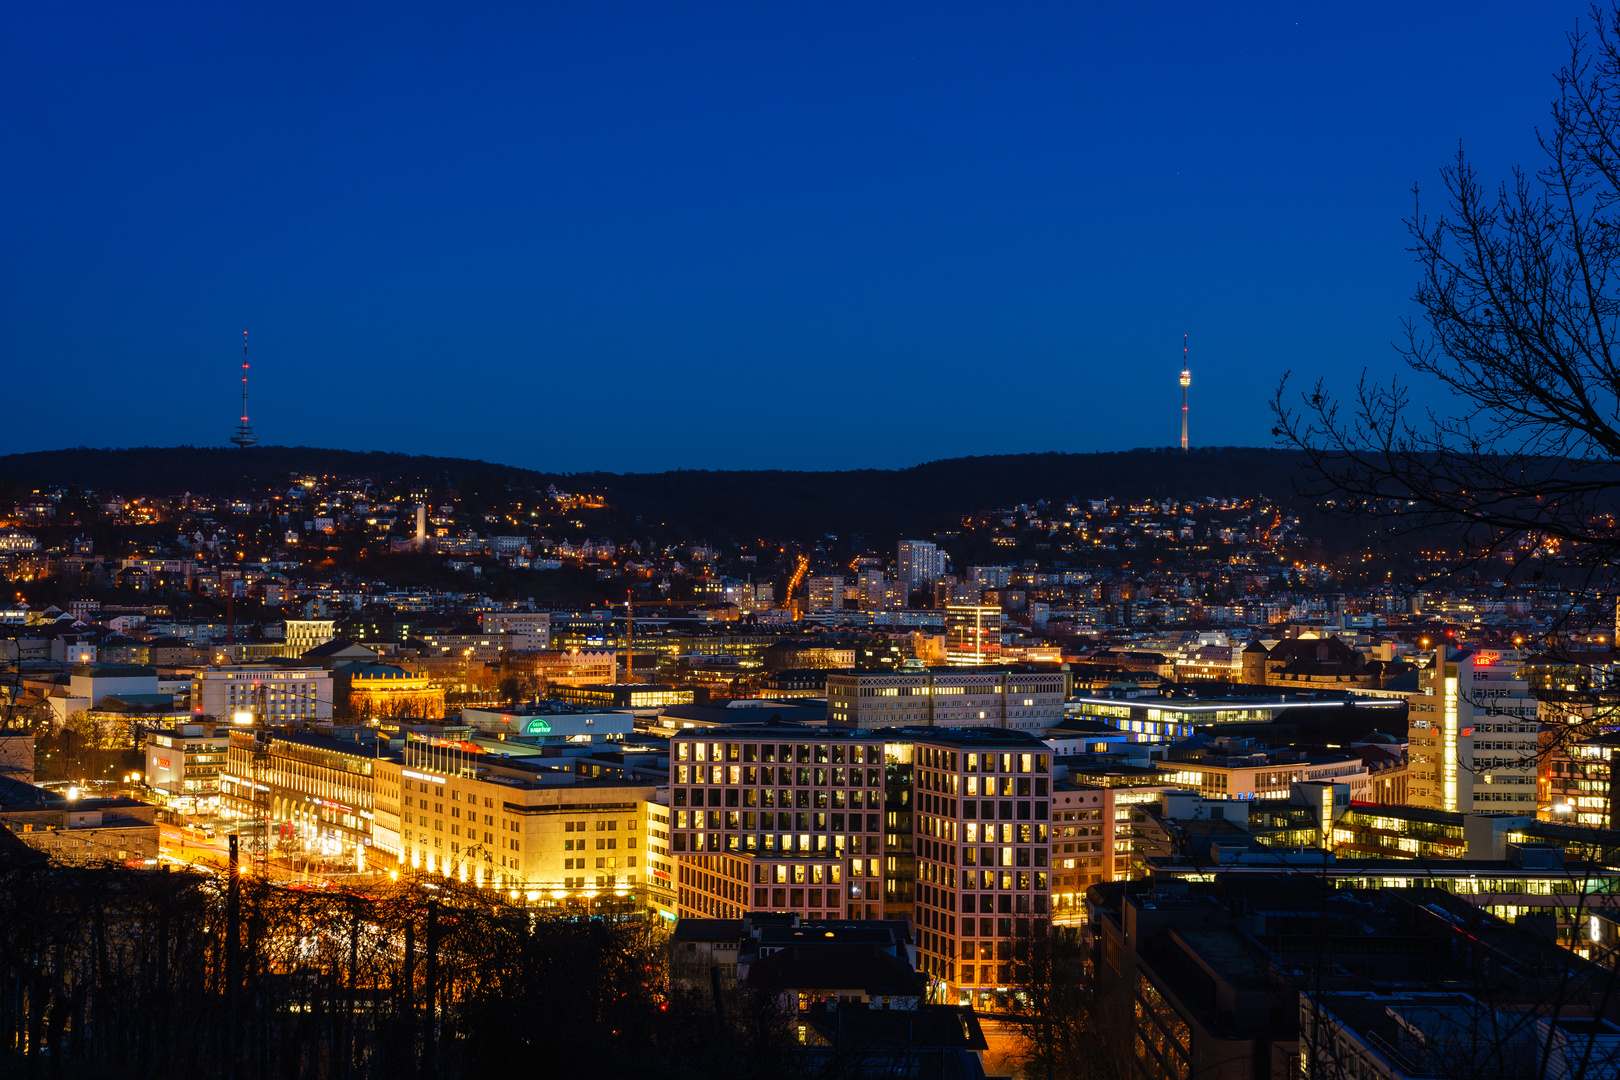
<point x="921" y="768"/>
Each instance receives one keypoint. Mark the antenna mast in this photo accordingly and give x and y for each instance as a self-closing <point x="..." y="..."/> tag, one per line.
<point x="1186" y="381"/>
<point x="629" y="637"/>
<point x="244" y="434"/>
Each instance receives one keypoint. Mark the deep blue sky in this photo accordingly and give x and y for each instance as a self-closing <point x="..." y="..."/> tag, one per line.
<point x="802" y="235"/>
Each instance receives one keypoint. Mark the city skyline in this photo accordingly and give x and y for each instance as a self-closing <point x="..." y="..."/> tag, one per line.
<point x="700" y="572"/>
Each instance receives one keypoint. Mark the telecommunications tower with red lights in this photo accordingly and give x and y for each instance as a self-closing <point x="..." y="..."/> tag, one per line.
<point x="244" y="436"/>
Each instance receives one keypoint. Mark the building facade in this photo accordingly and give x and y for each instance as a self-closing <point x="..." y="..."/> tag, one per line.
<point x="314" y="793"/>
<point x="1093" y="830"/>
<point x="1014" y="698"/>
<point x="183" y="766"/>
<point x="81" y="832"/>
<point x="1473" y="734"/>
<point x="1578" y="783"/>
<point x="557" y="842"/>
<point x="972" y="635"/>
<point x="1235" y="769"/>
<point x="919" y="563"/>
<point x="529" y="631"/>
<point x="302" y="635"/>
<point x="250" y="693"/>
<point x="777" y="818"/>
<point x="824" y="593"/>
<point x="983" y="855"/>
<point x="623" y="696"/>
<point x="389" y="692"/>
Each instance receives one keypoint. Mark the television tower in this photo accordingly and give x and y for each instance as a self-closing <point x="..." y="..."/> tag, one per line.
<point x="1186" y="381"/>
<point x="244" y="434"/>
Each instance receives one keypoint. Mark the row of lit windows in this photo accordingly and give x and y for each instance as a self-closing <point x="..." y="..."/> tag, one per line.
<point x="749" y="821"/>
<point x="801" y="753"/>
<point x="797" y="844"/>
<point x="755" y="775"/>
<point x="773" y="799"/>
<point x="931" y="757"/>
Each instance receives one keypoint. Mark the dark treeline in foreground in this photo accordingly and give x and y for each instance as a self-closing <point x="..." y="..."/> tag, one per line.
<point x="114" y="972"/>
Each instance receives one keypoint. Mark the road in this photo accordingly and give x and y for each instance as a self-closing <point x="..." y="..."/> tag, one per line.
<point x="192" y="848"/>
<point x="1006" y="1043"/>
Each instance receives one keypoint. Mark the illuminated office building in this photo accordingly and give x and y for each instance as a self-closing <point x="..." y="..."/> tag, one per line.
<point x="983" y="841"/>
<point x="1472" y="739"/>
<point x="247" y="693"/>
<point x="780" y="818"/>
<point x="972" y="635"/>
<point x="1019" y="698"/>
<point x="518" y="826"/>
<point x="303" y="635"/>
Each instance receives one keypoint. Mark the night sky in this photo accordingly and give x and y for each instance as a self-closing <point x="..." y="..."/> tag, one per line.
<point x="754" y="235"/>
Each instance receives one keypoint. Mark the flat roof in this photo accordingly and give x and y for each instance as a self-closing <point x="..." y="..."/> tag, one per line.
<point x="1216" y="704"/>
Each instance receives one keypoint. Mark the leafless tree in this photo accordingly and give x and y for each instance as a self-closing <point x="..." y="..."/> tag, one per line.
<point x="1520" y="291"/>
<point x="1064" y="1032"/>
<point x="1519" y="286"/>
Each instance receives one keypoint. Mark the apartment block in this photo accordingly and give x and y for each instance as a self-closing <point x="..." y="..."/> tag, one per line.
<point x="824" y="592"/>
<point x="528" y="631"/>
<point x="919" y="563"/>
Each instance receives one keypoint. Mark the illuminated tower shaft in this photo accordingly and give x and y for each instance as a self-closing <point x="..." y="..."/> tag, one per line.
<point x="1186" y="381"/>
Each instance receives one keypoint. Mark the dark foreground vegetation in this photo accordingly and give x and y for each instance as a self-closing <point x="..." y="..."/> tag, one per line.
<point x="114" y="972"/>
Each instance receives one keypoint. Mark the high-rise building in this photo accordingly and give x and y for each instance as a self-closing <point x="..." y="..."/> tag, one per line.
<point x="1473" y="734"/>
<point x="919" y="563"/>
<point x="875" y="591"/>
<point x="972" y="634"/>
<point x="990" y="577"/>
<point x="825" y="592"/>
<point x="983" y="853"/>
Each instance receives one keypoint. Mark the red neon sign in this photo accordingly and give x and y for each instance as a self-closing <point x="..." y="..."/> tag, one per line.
<point x="1486" y="659"/>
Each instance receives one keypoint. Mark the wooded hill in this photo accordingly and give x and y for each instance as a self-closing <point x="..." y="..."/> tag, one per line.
<point x="741" y="503"/>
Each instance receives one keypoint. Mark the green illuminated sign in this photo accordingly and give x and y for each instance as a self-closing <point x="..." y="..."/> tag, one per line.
<point x="537" y="726"/>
